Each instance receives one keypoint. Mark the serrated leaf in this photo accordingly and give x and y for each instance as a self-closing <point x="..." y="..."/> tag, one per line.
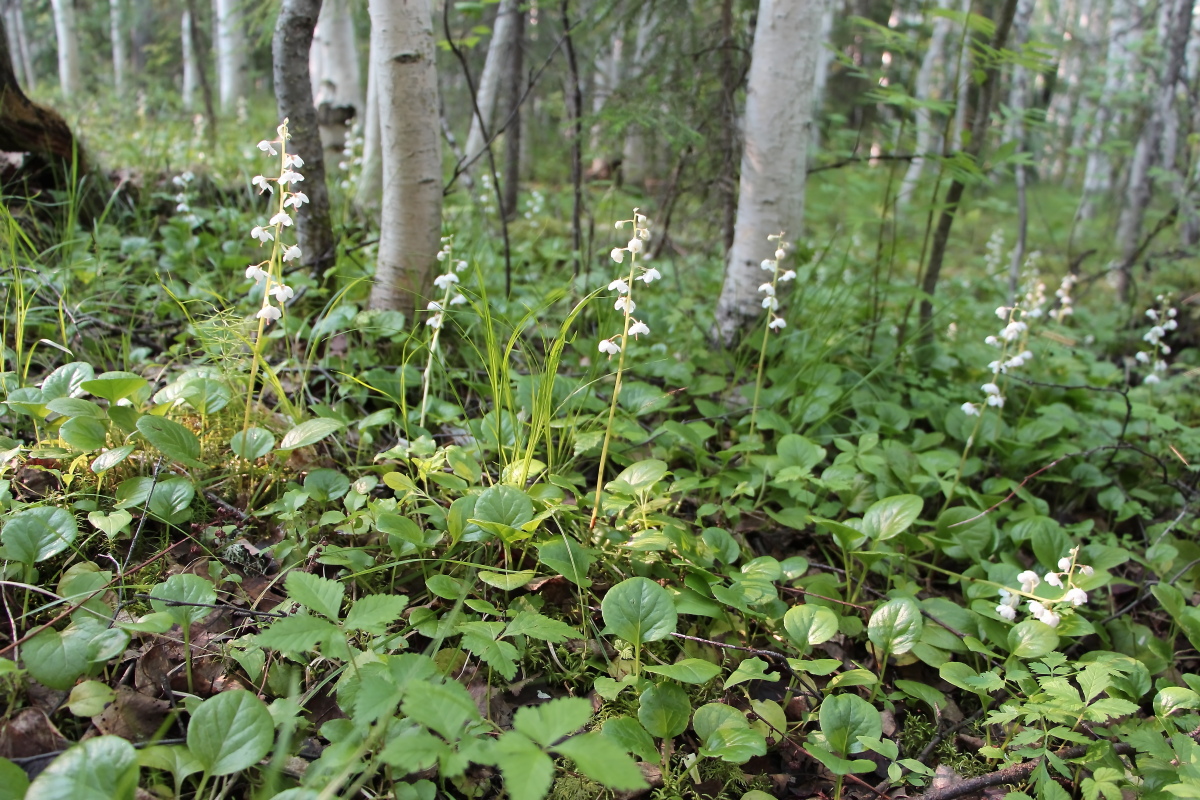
<point x="628" y="734"/>
<point x="296" y="634"/>
<point x="230" y="731"/>
<point x="442" y="707"/>
<point x="527" y="771"/>
<point x="549" y="722"/>
<point x="531" y="623"/>
<point x="309" y="432"/>
<point x="689" y="670"/>
<point x="375" y="612"/>
<point x="603" y="761"/>
<point x="321" y="595"/>
<point x="480" y="639"/>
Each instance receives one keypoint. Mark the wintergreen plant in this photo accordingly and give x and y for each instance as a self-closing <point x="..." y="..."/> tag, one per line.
<point x="1163" y="319"/>
<point x="183" y="198"/>
<point x="1066" y="304"/>
<point x="1049" y="611"/>
<point x="451" y="296"/>
<point x="774" y="321"/>
<point x="617" y="344"/>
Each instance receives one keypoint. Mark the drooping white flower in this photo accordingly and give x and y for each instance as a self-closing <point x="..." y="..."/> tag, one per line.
<point x="779" y="254"/>
<point x="1086" y="570"/>
<point x="1076" y="596"/>
<point x="623" y="302"/>
<point x="269" y="313"/>
<point x="767" y="264"/>
<point x="460" y="266"/>
<point x="650" y="275"/>
<point x="970" y="409"/>
<point x="789" y="275"/>
<point x="282" y="219"/>
<point x="295" y="200"/>
<point x="609" y="346"/>
<point x="434" y="305"/>
<point x="1002" y="312"/>
<point x="1053" y="579"/>
<point x="634" y="246"/>
<point x="1007" y="612"/>
<point x="282" y="293"/>
<point x="263" y="235"/>
<point x="1050" y="618"/>
<point x="777" y="323"/>
<point x="458" y="299"/>
<point x="435" y="321"/>
<point x="289" y="177"/>
<point x="1036" y="608"/>
<point x="445" y="281"/>
<point x="770" y="302"/>
<point x="618" y="255"/>
<point x="293" y="160"/>
<point x="768" y="288"/>
<point x="995" y="400"/>
<point x="638" y="328"/>
<point x="291" y="253"/>
<point x="619" y="286"/>
<point x="1029" y="580"/>
<point x="990" y="388"/>
<point x="255" y="273"/>
<point x="1151" y="378"/>
<point x="1064" y="563"/>
<point x="182" y="208"/>
<point x="268" y="147"/>
<point x="263" y="183"/>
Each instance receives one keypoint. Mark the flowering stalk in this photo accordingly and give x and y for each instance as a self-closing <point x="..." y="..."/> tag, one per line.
<point x="771" y="304"/>
<point x="447" y="282"/>
<point x="270" y="271"/>
<point x="632" y="327"/>
<point x="1163" y="318"/>
<point x="1040" y="608"/>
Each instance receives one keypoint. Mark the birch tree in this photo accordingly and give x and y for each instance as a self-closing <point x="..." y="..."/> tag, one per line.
<point x="116" y="29"/>
<point x="410" y="146"/>
<point x="778" y="116"/>
<point x="231" y="49"/>
<point x="333" y="62"/>
<point x="69" y="78"/>
<point x="290" y="48"/>
<point x="11" y="8"/>
<point x="190" y="80"/>
<point x="1097" y="173"/>
<point x="924" y="93"/>
<point x="499" y="56"/>
<point x="633" y="157"/>
<point x="369" y="192"/>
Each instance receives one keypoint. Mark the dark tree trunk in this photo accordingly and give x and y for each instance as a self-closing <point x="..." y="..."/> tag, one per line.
<point x="293" y="91"/>
<point x="515" y="87"/>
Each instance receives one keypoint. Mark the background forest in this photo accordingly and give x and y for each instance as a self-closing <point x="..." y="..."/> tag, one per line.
<point x="589" y="398"/>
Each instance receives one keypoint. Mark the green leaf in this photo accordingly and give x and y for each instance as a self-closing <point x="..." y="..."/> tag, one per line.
<point x="711" y="716"/>
<point x="531" y="623"/>
<point x="638" y="477"/>
<point x="735" y="744"/>
<point x="175" y="759"/>
<point x="603" y="760"/>
<point x="845" y="717"/>
<point x="549" y="722"/>
<point x="568" y="558"/>
<point x="665" y="710"/>
<point x="752" y="669"/>
<point x="896" y="626"/>
<point x="103" y="768"/>
<point x="89" y="698"/>
<point x="114" y="386"/>
<point x="35" y="534"/>
<point x="923" y="692"/>
<point x="630" y="736"/>
<point x="14" y="783"/>
<point x="443" y="707"/>
<point x="67" y="380"/>
<point x="171" y="499"/>
<point x="174" y="440"/>
<point x="112" y="523"/>
<point x="1031" y="639"/>
<point x="56" y="659"/>
<point x="526" y="769"/>
<point x="481" y="639"/>
<point x="839" y="766"/>
<point x="110" y="458"/>
<point x="892" y="516"/>
<point x="375" y="612"/>
<point x="810" y="624"/>
<point x="1175" y="698"/>
<point x="252" y="443"/>
<point x="639" y="610"/>
<point x="296" y="634"/>
<point x="230" y="731"/>
<point x="689" y="670"/>
<point x="309" y="432"/>
<point x="184" y="588"/>
<point x="505" y="505"/>
<point x="507" y="581"/>
<point x="321" y="595"/>
<point x="84" y="433"/>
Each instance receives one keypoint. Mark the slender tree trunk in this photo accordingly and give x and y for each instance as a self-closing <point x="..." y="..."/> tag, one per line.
<point x="25" y="54"/>
<point x="513" y="90"/>
<point x="1097" y="175"/>
<point x="499" y="55"/>
<point x="923" y="91"/>
<point x="116" y="24"/>
<point x="1018" y="100"/>
<point x="574" y="105"/>
<point x="973" y="150"/>
<point x="190" y="64"/>
<point x="231" y="50"/>
<point x="411" y="224"/>
<point x="210" y="111"/>
<point x="293" y="91"/>
<point x="821" y="78"/>
<point x="962" y="77"/>
<point x="778" y="116"/>
<point x="727" y="130"/>
<point x="70" y="80"/>
<point x="369" y="193"/>
<point x="634" y="157"/>
<point x="14" y="45"/>
<point x="1140" y="188"/>
<point x="606" y="79"/>
<point x="336" y="77"/>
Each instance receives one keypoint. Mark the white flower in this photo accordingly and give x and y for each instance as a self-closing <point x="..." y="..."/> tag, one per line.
<point x="445" y="281"/>
<point x="458" y="300"/>
<point x="1011" y="331"/>
<point x="625" y="303"/>
<point x="970" y="409"/>
<point x="789" y="275"/>
<point x="267" y="147"/>
<point x="1076" y="596"/>
<point x="1050" y="618"/>
<point x="779" y="254"/>
<point x="269" y="313"/>
<point x="263" y="184"/>
<point x="1053" y="579"/>
<point x="293" y="160"/>
<point x="770" y="302"/>
<point x="1152" y="314"/>
<point x="650" y="275"/>
<point x="1036" y="609"/>
<point x="768" y="288"/>
<point x="460" y="266"/>
<point x="767" y="264"/>
<point x="620" y="286"/>
<point x="609" y="346"/>
<point x="281" y="219"/>
<point x="634" y="246"/>
<point x="618" y="255"/>
<point x="1007" y="612"/>
<point x="255" y="273"/>
<point x="1029" y="580"/>
<point x="290" y="177"/>
<point x="638" y="328"/>
<point x="1086" y="570"/>
<point x="435" y="321"/>
<point x="995" y="400"/>
<point x="434" y="305"/>
<point x="995" y="367"/>
<point x="282" y="293"/>
<point x="641" y="220"/>
<point x="295" y="200"/>
<point x="291" y="253"/>
<point x="263" y="235"/>
<point x="1151" y="379"/>
<point x="1064" y="563"/>
<point x="1002" y="312"/>
<point x="777" y="323"/>
<point x="992" y="340"/>
<point x="441" y="256"/>
<point x="990" y="388"/>
<point x="182" y="208"/>
<point x="1154" y="334"/>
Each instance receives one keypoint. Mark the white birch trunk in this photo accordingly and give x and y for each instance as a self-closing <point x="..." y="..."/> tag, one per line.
<point x="962" y="77"/>
<point x="116" y="26"/>
<point x="333" y="60"/>
<point x="411" y="222"/>
<point x="70" y="79"/>
<point x="499" y="55"/>
<point x="369" y="192"/>
<point x="607" y="78"/>
<point x="191" y="80"/>
<point x="231" y="48"/>
<point x="1097" y="175"/>
<point x="634" y="160"/>
<point x="26" y="52"/>
<point x="14" y="44"/>
<point x="775" y="155"/>
<point x="923" y="90"/>
<point x="821" y="78"/>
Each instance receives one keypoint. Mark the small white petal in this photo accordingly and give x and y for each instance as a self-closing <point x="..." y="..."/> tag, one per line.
<point x="618" y="255"/>
<point x="291" y="253"/>
<point x="1064" y="563"/>
<point x="650" y="275"/>
<point x="269" y="313"/>
<point x="1053" y="579"/>
<point x="282" y="219"/>
<point x="619" y="286"/>
<point x="970" y="409"/>
<point x="634" y="246"/>
<point x="263" y="235"/>
<point x="768" y="288"/>
<point x="777" y="323"/>
<point x="444" y="281"/>
<point x="267" y="147"/>
<point x="609" y="346"/>
<point x="638" y="328"/>
<point x="255" y="273"/>
<point x="282" y="293"/>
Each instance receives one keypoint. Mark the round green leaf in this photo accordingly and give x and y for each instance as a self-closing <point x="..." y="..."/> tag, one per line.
<point x="184" y="588"/>
<point x="252" y="443"/>
<point x="112" y="523"/>
<point x="324" y="485"/>
<point x="114" y="386"/>
<point x="507" y="581"/>
<point x="506" y="505"/>
<point x="809" y="624"/>
<point x="35" y="534"/>
<point x="110" y="458"/>
<point x="309" y="432"/>
<point x="84" y="433"/>
<point x="711" y="716"/>
<point x="689" y="670"/>
<point x="66" y="381"/>
<point x="75" y="407"/>
<point x="568" y="558"/>
<point x="891" y="516"/>
<point x="170" y="500"/>
<point x="230" y="732"/>
<point x="56" y="659"/>
<point x="845" y="717"/>
<point x="638" y="477"/>
<point x="206" y="395"/>
<point x="639" y="610"/>
<point x="629" y="734"/>
<point x="103" y="768"/>
<point x="896" y="626"/>
<point x="174" y="440"/>
<point x="89" y="698"/>
<point x="14" y="783"/>
<point x="665" y="710"/>
<point x="1031" y="639"/>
